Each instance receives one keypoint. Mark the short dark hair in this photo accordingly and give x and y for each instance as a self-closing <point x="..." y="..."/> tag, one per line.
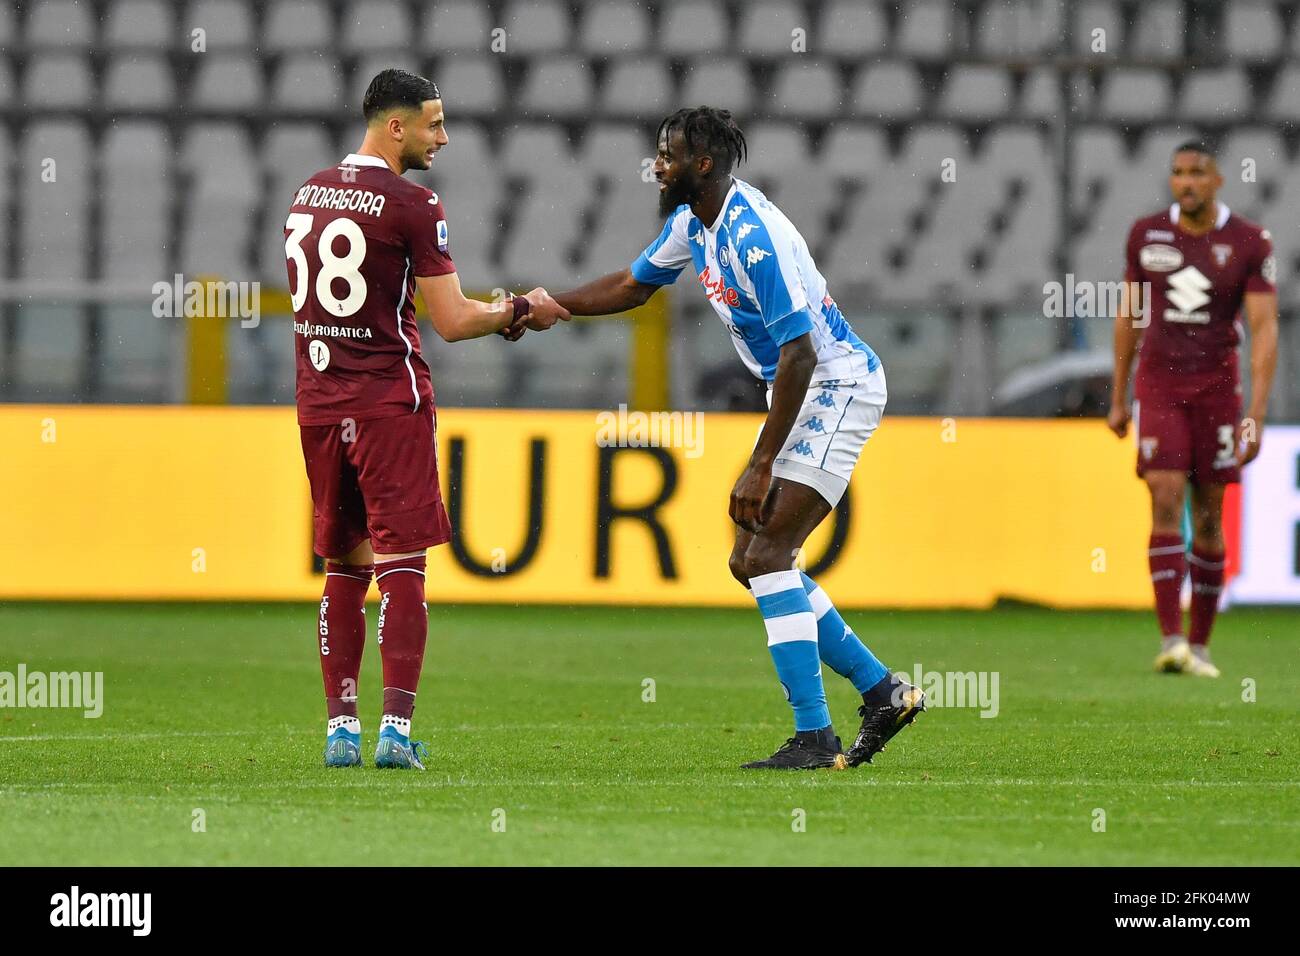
<point x="708" y="130"/>
<point x="1196" y="146"/>
<point x="394" y="88"/>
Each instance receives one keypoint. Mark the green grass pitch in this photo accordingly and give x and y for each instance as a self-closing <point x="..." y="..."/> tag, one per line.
<point x="535" y="718"/>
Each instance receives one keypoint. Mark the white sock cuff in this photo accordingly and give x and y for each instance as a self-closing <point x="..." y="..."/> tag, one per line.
<point x="351" y="724"/>
<point x="775" y="583"/>
<point x="401" y="724"/>
<point x="820" y="601"/>
<point x="791" y="627"/>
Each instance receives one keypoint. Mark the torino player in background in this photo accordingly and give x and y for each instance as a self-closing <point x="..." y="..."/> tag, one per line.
<point x="1197" y="261"/>
<point x="359" y="241"/>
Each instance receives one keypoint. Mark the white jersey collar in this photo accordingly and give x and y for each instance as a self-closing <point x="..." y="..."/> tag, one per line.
<point x="1220" y="220"/>
<point x="358" y="159"/>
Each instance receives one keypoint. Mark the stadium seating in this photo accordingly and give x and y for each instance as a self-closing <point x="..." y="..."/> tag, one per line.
<point x="851" y="106"/>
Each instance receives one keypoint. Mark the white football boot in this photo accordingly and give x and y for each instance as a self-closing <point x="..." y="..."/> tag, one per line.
<point x="1175" y="653"/>
<point x="1199" y="663"/>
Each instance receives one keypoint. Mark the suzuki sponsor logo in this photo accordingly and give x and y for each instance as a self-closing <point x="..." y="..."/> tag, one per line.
<point x="1187" y="291"/>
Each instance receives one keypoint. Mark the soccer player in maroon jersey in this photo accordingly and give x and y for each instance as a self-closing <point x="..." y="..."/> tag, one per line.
<point x="360" y="240"/>
<point x="1188" y="270"/>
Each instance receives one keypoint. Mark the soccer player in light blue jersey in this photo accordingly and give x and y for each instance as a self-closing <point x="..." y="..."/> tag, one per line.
<point x="826" y="395"/>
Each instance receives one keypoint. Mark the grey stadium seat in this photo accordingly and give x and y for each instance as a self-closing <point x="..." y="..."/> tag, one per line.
<point x="1135" y="94"/>
<point x="7" y="29"/>
<point x="298" y="25"/>
<point x="854" y="151"/>
<point x="470" y="86"/>
<point x="1098" y="15"/>
<point x="58" y="80"/>
<point x="59" y="24"/>
<point x="1020" y="258"/>
<point x="8" y="86"/>
<point x="537" y="26"/>
<point x="226" y="24"/>
<point x="138" y="83"/>
<point x="559" y="87"/>
<point x="1040" y="98"/>
<point x="718" y="82"/>
<point x="140" y="24"/>
<point x="925" y="29"/>
<point x="1284" y="101"/>
<point x="228" y="82"/>
<point x="637" y="87"/>
<point x="852" y="28"/>
<point x="1253" y="31"/>
<point x="976" y="93"/>
<point x="767" y="28"/>
<point x="808" y="89"/>
<point x="890" y="90"/>
<point x="457" y="27"/>
<point x="292" y="152"/>
<point x="467" y="178"/>
<point x="1159" y="29"/>
<point x="777" y="151"/>
<point x="55" y="240"/>
<point x="307" y="81"/>
<point x="1017" y="29"/>
<point x="614" y="154"/>
<point x="615" y="29"/>
<point x="1218" y="96"/>
<point x="369" y="26"/>
<point x="688" y="27"/>
<point x="220" y="213"/>
<point x="135" y="232"/>
<point x="1265" y="148"/>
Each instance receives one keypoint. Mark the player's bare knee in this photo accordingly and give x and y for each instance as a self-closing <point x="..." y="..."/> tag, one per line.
<point x="739" y="569"/>
<point x="766" y="555"/>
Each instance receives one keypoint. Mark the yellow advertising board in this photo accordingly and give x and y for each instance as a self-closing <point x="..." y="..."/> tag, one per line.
<point x="211" y="503"/>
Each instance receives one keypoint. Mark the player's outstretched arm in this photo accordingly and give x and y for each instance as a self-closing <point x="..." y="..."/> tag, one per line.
<point x="616" y="292"/>
<point x="1261" y="314"/>
<point x="456" y="317"/>
<point x="1127" y="333"/>
<point x="794" y="371"/>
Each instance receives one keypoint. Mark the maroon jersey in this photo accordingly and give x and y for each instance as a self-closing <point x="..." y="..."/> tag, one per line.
<point x="356" y="237"/>
<point x="1197" y="284"/>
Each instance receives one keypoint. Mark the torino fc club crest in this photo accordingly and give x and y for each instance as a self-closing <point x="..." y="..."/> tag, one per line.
<point x="1149" y="447"/>
<point x="1222" y="253"/>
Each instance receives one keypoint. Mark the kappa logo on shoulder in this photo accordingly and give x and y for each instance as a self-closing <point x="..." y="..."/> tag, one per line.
<point x="735" y="213"/>
<point x="755" y="255"/>
<point x="745" y="229"/>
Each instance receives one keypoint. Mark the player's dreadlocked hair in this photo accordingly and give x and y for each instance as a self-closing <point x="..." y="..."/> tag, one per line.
<point x="392" y="88"/>
<point x="710" y="130"/>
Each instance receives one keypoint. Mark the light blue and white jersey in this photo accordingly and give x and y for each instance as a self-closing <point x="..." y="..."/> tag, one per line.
<point x="762" y="281"/>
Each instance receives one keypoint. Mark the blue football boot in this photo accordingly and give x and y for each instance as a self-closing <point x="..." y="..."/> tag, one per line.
<point x="398" y="752"/>
<point x="343" y="749"/>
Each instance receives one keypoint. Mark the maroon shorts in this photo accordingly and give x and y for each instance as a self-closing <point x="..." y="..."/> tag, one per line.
<point x="378" y="480"/>
<point x="1195" y="436"/>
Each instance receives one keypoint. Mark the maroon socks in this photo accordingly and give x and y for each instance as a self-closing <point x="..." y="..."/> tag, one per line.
<point x="1167" y="560"/>
<point x="341" y="632"/>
